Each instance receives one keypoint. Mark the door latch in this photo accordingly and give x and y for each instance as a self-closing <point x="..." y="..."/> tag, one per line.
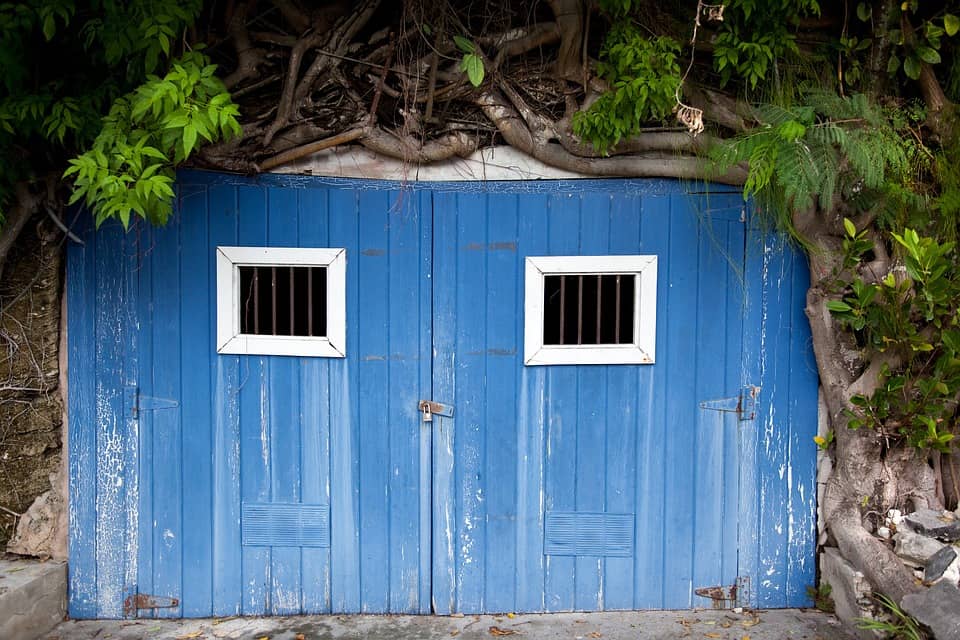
<point x="429" y="407"/>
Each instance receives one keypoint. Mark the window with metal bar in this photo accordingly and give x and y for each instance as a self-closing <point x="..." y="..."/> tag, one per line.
<point x="281" y="301"/>
<point x="590" y="309"/>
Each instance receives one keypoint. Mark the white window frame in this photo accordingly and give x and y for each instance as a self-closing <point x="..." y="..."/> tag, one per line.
<point x="640" y="351"/>
<point x="229" y="338"/>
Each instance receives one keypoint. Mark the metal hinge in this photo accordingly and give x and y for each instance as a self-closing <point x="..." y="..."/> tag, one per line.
<point x="137" y="402"/>
<point x="723" y="597"/>
<point x="139" y="601"/>
<point x="744" y="405"/>
<point x="428" y="408"/>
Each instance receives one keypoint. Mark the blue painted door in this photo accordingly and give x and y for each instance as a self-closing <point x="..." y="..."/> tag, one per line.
<point x="274" y="485"/>
<point x="585" y="487"/>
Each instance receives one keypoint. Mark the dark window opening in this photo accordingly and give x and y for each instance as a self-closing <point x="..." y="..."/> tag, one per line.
<point x="588" y="308"/>
<point x="283" y="301"/>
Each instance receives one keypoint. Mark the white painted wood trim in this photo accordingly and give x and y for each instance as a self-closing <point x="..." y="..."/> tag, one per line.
<point x="643" y="348"/>
<point x="229" y="338"/>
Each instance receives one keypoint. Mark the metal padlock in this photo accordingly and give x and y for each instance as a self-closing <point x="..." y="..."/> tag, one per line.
<point x="426" y="411"/>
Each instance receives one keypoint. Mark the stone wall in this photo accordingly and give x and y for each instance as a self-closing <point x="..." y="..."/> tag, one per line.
<point x="31" y="410"/>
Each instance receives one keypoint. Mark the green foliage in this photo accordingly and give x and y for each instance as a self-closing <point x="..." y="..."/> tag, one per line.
<point x="923" y="42"/>
<point x="643" y="74"/>
<point x="821" y="597"/>
<point x="64" y="64"/>
<point x="471" y="63"/>
<point x="130" y="168"/>
<point x="898" y="625"/>
<point x="915" y="317"/>
<point x="755" y="34"/>
<point x="832" y="146"/>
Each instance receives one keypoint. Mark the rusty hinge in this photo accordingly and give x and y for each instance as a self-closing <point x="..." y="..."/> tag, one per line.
<point x="724" y="597"/>
<point x="139" y="601"/>
<point x="744" y="405"/>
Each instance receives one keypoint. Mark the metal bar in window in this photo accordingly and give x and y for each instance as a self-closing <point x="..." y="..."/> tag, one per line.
<point x="273" y="300"/>
<point x="616" y="323"/>
<point x="580" y="309"/>
<point x="309" y="301"/>
<point x="563" y="303"/>
<point x="292" y="314"/>
<point x="256" y="300"/>
<point x="599" y="290"/>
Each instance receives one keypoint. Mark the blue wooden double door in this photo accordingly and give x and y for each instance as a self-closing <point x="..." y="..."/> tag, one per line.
<point x="279" y="485"/>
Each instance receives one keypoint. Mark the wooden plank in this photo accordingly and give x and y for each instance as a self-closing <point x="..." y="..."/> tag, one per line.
<point x="425" y="376"/>
<point x="501" y="361"/>
<point x="372" y="417"/>
<point x="801" y="399"/>
<point x="620" y="415"/>
<point x="471" y="417"/>
<point x="592" y="381"/>
<point x="774" y="426"/>
<point x="225" y="382"/>
<point x="313" y="224"/>
<point x="681" y="330"/>
<point x="344" y="435"/>
<point x="444" y="565"/>
<point x="650" y="536"/>
<point x="166" y="444"/>
<point x="531" y="431"/>
<point x="709" y="522"/>
<point x="284" y="418"/>
<point x="562" y="411"/>
<point x="196" y="349"/>
<point x="406" y="356"/>
<point x="145" y="426"/>
<point x="255" y="443"/>
<point x="111" y="514"/>
<point x="733" y="379"/>
<point x="81" y="293"/>
<point x="755" y="289"/>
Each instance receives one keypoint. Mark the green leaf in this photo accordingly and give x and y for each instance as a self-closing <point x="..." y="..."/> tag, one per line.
<point x="849" y="227"/>
<point x="464" y="44"/>
<point x="838" y="306"/>
<point x="911" y="67"/>
<point x="864" y="11"/>
<point x="473" y="65"/>
<point x="927" y="54"/>
<point x="893" y="64"/>
<point x="49" y="27"/>
<point x="189" y="139"/>
<point x="951" y="24"/>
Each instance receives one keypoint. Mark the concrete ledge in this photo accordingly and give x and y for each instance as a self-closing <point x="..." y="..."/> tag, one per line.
<point x="33" y="598"/>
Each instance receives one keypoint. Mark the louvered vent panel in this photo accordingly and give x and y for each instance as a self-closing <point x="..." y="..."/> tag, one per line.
<point x="285" y="525"/>
<point x="580" y="533"/>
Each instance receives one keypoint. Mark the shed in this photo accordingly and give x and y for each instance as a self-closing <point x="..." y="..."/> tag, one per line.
<point x="311" y="395"/>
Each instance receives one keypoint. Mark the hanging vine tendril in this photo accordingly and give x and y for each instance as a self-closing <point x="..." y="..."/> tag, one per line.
<point x="692" y="117"/>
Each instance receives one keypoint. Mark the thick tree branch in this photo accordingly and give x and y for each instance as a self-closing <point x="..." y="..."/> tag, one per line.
<point x="249" y="58"/>
<point x="409" y="149"/>
<point x="569" y="15"/>
<point x="26" y="203"/>
<point x="514" y="130"/>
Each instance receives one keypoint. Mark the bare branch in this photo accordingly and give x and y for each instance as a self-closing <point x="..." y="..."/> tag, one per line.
<point x="299" y="152"/>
